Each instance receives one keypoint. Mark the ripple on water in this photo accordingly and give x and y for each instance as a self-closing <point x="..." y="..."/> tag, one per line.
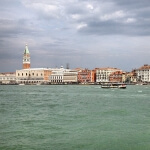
<point x="74" y="117"/>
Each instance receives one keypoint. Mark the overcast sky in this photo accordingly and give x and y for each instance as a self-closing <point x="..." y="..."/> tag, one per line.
<point x="83" y="33"/>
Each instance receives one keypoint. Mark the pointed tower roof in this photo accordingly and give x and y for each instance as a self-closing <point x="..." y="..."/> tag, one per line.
<point x="26" y="51"/>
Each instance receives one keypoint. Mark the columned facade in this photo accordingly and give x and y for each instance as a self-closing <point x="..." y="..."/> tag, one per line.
<point x="33" y="76"/>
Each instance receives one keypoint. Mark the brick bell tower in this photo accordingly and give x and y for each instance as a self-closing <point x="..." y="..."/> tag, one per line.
<point x="26" y="58"/>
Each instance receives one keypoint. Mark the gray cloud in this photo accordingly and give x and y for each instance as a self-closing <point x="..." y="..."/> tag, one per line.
<point x="84" y="33"/>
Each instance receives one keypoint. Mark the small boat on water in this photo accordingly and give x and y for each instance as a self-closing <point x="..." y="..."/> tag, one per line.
<point x="123" y="86"/>
<point x="114" y="85"/>
<point x="21" y="84"/>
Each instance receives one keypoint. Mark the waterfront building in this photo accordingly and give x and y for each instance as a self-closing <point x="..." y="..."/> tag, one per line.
<point x="116" y="76"/>
<point x="56" y="76"/>
<point x="70" y="76"/>
<point x="93" y="76"/>
<point x="102" y="74"/>
<point x="8" y="78"/>
<point x="33" y="75"/>
<point x="131" y="77"/>
<point x="143" y="73"/>
<point x="29" y="75"/>
<point x="84" y="76"/>
<point x="26" y="58"/>
<point x="63" y="76"/>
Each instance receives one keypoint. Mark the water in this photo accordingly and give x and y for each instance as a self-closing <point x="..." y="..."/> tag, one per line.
<point x="73" y="117"/>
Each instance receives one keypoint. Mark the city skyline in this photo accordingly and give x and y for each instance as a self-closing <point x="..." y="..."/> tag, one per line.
<point x="85" y="34"/>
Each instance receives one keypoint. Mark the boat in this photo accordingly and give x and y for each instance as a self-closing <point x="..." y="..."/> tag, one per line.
<point x="114" y="85"/>
<point x="122" y="86"/>
<point x="21" y="84"/>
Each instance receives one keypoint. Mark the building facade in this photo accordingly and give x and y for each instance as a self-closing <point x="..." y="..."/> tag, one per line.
<point x="29" y="75"/>
<point x="143" y="73"/>
<point x="116" y="76"/>
<point x="7" y="78"/>
<point x="63" y="76"/>
<point x="93" y="76"/>
<point x="102" y="74"/>
<point x="33" y="76"/>
<point x="84" y="76"/>
<point x="70" y="76"/>
<point x="131" y="77"/>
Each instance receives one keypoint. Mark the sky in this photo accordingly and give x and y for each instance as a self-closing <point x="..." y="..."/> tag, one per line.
<point x="82" y="33"/>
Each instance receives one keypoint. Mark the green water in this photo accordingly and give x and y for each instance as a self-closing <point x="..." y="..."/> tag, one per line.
<point x="74" y="117"/>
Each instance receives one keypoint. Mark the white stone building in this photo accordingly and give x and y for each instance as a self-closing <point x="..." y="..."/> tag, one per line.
<point x="143" y="73"/>
<point x="7" y="78"/>
<point x="61" y="76"/>
<point x="102" y="74"/>
<point x="33" y="75"/>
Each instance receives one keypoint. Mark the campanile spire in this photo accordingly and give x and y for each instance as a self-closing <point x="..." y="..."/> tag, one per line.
<point x="26" y="58"/>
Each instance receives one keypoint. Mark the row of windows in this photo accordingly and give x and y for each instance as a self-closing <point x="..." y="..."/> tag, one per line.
<point x="115" y="76"/>
<point x="30" y="82"/>
<point x="101" y="78"/>
<point x="56" y="81"/>
<point x="4" y="78"/>
<point x="26" y="74"/>
<point x="30" y="79"/>
<point x="56" y="77"/>
<point x="145" y="70"/>
<point x="104" y="72"/>
<point x="84" y="77"/>
<point x="102" y="75"/>
<point x="26" y="59"/>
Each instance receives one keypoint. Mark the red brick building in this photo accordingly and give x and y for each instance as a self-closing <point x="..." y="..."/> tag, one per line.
<point x="116" y="76"/>
<point x="93" y="76"/>
<point x="84" y="76"/>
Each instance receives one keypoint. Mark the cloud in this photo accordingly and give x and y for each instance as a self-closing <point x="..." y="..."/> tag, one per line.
<point x="81" y="25"/>
<point x="45" y="10"/>
<point x="75" y="31"/>
<point x="130" y="20"/>
<point x="89" y="6"/>
<point x="113" y="16"/>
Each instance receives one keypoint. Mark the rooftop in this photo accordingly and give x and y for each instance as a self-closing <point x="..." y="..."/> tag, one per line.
<point x="145" y="67"/>
<point x="26" y="51"/>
